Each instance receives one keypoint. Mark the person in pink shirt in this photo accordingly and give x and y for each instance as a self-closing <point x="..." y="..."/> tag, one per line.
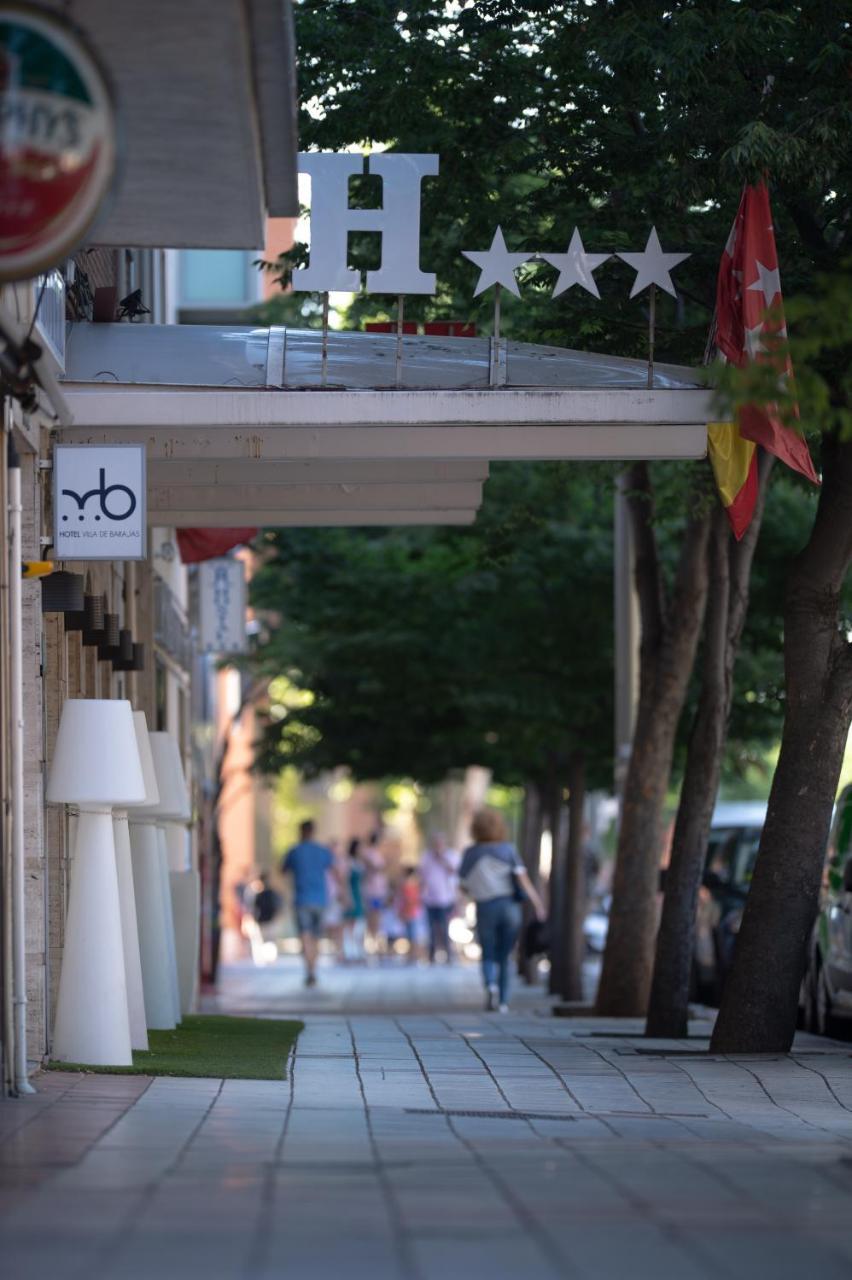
<point x="439" y="880"/>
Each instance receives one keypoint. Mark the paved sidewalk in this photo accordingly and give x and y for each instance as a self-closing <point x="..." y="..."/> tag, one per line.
<point x="436" y="1147"/>
<point x="386" y="985"/>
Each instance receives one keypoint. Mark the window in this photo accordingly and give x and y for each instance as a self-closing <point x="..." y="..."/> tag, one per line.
<point x="218" y="278"/>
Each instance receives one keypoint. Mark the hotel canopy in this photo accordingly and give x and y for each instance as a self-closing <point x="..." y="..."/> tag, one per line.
<point x="252" y="426"/>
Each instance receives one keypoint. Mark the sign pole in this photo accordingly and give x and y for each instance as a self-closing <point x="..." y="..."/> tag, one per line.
<point x="652" y="316"/>
<point x="324" y="338"/>
<point x="493" y="372"/>
<point x="400" y="312"/>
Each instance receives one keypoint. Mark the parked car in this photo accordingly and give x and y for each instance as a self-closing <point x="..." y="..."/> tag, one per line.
<point x="826" y="1000"/>
<point x="596" y="925"/>
<point x="731" y="852"/>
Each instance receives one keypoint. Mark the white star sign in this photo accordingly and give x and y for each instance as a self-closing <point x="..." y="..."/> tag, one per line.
<point x="496" y="265"/>
<point x="575" y="266"/>
<point x="768" y="283"/>
<point x="652" y="266"/>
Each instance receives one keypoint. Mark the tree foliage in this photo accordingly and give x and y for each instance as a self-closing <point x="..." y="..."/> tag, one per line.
<point x="612" y="116"/>
<point x="428" y="650"/>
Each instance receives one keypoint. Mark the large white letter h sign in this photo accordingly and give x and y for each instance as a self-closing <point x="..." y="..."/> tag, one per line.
<point x="398" y="220"/>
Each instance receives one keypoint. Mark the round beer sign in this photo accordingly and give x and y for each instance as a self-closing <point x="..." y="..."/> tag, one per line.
<point x="57" y="140"/>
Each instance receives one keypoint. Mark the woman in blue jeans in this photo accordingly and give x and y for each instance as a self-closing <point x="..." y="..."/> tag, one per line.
<point x="492" y="873"/>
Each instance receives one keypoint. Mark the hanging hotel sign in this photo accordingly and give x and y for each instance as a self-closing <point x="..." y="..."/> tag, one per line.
<point x="222" y="606"/>
<point x="99" y="509"/>
<point x="57" y="140"/>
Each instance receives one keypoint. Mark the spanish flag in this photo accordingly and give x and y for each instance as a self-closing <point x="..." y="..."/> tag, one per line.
<point x="734" y="462"/>
<point x="748" y="286"/>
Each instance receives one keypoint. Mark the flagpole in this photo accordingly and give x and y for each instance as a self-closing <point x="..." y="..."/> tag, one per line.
<point x="652" y="316"/>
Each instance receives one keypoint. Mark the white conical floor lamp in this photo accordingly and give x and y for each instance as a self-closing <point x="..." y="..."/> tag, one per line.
<point x="161" y="1012"/>
<point x="127" y="893"/>
<point x="95" y="767"/>
<point x="186" y="903"/>
<point x="172" y="813"/>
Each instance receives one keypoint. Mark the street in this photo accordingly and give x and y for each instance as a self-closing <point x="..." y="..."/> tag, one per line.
<point x="439" y="1145"/>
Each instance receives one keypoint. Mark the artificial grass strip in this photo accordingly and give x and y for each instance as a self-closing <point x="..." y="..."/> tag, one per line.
<point x="209" y="1045"/>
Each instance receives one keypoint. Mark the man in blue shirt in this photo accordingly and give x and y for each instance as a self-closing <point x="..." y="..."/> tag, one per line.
<point x="308" y="862"/>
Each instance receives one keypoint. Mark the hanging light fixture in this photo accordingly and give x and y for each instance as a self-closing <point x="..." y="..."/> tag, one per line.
<point x="62" y="592"/>
<point x="94" y="610"/>
<point x="125" y="650"/>
<point x="109" y="643"/>
<point x="131" y="654"/>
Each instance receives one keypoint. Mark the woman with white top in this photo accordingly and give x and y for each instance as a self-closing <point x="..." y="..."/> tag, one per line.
<point x="495" y="878"/>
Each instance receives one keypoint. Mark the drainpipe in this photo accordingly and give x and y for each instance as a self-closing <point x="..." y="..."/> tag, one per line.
<point x="16" y="673"/>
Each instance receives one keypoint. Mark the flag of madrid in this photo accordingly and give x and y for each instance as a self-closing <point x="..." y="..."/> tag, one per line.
<point x="749" y="313"/>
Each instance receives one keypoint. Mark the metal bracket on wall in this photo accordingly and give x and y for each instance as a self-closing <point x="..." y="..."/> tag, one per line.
<point x="497" y="362"/>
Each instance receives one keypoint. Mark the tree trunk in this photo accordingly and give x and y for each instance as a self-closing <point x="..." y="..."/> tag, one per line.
<point x="730" y="570"/>
<point x="531" y="824"/>
<point x="572" y="950"/>
<point x="670" y="631"/>
<point x="760" y="1000"/>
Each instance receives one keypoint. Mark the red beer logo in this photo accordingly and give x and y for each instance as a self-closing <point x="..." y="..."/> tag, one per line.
<point x="57" y="141"/>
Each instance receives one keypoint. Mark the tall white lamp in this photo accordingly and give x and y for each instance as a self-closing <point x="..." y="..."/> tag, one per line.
<point x="95" y="767"/>
<point x="154" y="922"/>
<point x="127" y="892"/>
<point x="172" y="814"/>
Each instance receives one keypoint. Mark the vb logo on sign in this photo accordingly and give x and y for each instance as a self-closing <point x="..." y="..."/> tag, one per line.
<point x="102" y="493"/>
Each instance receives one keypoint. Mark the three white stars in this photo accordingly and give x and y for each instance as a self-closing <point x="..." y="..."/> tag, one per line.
<point x="498" y="266"/>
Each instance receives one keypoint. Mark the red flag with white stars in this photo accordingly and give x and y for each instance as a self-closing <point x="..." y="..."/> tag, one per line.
<point x="748" y="286"/>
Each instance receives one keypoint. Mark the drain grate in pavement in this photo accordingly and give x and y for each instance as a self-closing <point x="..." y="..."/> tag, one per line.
<point x="675" y="1053"/>
<point x="491" y="1115"/>
<point x="628" y="1035"/>
<point x="561" y="1115"/>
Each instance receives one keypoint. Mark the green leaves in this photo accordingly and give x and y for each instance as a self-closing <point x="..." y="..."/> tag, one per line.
<point x="425" y="651"/>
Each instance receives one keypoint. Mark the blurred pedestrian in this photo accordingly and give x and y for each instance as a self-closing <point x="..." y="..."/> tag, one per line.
<point x="263" y="905"/>
<point x="267" y="901"/>
<point x="353" y="917"/>
<point x="375" y="888"/>
<point x="336" y="892"/>
<point x="308" y="862"/>
<point x="495" y="878"/>
<point x="439" y="880"/>
<point x="410" y="910"/>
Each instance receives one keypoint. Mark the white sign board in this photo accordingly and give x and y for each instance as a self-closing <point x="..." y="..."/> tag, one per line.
<point x="222" y="606"/>
<point x="99" y="502"/>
